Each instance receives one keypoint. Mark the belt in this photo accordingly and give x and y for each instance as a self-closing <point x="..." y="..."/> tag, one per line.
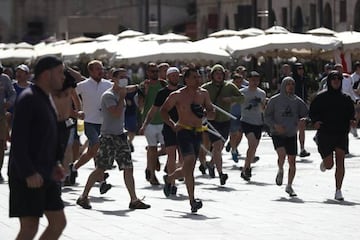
<point x="195" y="129"/>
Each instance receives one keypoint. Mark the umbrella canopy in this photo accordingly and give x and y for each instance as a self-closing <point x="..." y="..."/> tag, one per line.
<point x="171" y="37"/>
<point x="281" y="45"/>
<point x="18" y="53"/>
<point x="322" y="31"/>
<point x="224" y="33"/>
<point x="251" y="32"/>
<point x="276" y="30"/>
<point x="129" y="33"/>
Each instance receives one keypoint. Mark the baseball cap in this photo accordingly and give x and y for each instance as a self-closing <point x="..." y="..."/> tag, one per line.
<point x="172" y="70"/>
<point x="23" y="67"/>
<point x="254" y="74"/>
<point x="46" y="63"/>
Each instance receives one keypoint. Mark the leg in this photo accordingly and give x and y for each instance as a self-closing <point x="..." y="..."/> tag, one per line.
<point x="188" y="171"/>
<point x="130" y="183"/>
<point x="28" y="228"/>
<point x="90" y="153"/>
<point x="152" y="155"/>
<point x="96" y="174"/>
<point x="171" y="160"/>
<point x="281" y="159"/>
<point x="2" y="153"/>
<point x="57" y="223"/>
<point x="301" y="126"/>
<point x="292" y="169"/>
<point x="217" y="156"/>
<point x="340" y="167"/>
<point x="252" y="146"/>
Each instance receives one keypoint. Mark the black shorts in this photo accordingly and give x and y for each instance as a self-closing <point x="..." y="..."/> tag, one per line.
<point x="250" y="128"/>
<point x="189" y="142"/>
<point x="169" y="136"/>
<point x="222" y="127"/>
<point x="289" y="143"/>
<point x="328" y="142"/>
<point x="33" y="202"/>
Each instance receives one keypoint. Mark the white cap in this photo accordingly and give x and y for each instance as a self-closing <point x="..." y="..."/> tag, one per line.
<point x="172" y="70"/>
<point x="23" y="67"/>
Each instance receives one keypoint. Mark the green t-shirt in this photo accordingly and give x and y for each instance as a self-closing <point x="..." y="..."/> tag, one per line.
<point x="149" y="100"/>
<point x="228" y="89"/>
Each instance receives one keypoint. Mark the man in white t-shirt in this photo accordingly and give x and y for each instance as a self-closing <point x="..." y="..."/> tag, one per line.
<point x="91" y="90"/>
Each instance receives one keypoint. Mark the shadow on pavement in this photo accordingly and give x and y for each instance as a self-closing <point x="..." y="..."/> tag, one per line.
<point x="220" y="188"/>
<point x="189" y="215"/>
<point x="122" y="213"/>
<point x="344" y="203"/>
<point x="260" y="184"/>
<point x="292" y="200"/>
<point x="302" y="160"/>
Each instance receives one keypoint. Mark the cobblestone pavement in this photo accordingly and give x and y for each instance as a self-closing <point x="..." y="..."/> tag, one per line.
<point x="258" y="209"/>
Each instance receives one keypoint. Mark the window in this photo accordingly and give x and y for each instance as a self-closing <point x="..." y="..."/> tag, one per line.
<point x="342" y="11"/>
<point x="284" y="14"/>
<point x="312" y="22"/>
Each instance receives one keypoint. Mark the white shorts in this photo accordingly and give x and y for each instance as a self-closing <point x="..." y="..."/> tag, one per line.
<point x="153" y="134"/>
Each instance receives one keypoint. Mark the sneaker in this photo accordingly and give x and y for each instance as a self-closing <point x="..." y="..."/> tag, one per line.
<point x="279" y="177"/>
<point x="173" y="190"/>
<point x="83" y="202"/>
<point x="290" y="191"/>
<point x="167" y="186"/>
<point x="256" y="158"/>
<point x="196" y="205"/>
<point x="223" y="178"/>
<point x="246" y="174"/>
<point x="202" y="169"/>
<point x="228" y="147"/>
<point x="138" y="205"/>
<point x="147" y="175"/>
<point x="104" y="187"/>
<point x="235" y="156"/>
<point x="73" y="174"/>
<point x="304" y="153"/>
<point x="211" y="169"/>
<point x="339" y="196"/>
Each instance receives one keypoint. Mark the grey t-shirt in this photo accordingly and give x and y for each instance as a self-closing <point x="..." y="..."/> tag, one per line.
<point x="111" y="124"/>
<point x="252" y="107"/>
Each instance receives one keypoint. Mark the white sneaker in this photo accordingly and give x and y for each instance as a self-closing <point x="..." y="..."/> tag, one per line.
<point x="339" y="196"/>
<point x="290" y="191"/>
<point x="322" y="166"/>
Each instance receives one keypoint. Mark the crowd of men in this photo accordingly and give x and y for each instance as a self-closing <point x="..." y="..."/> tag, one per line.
<point x="184" y="115"/>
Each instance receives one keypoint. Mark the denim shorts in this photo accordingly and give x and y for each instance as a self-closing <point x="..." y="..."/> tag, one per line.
<point x="92" y="132"/>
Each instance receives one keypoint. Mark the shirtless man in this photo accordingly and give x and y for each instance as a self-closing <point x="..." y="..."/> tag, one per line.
<point x="190" y="102"/>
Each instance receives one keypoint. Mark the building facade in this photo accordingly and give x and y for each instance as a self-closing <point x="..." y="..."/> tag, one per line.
<point x="295" y="15"/>
<point x="35" y="20"/>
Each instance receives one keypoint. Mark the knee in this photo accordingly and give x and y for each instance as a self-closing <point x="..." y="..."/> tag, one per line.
<point x="28" y="231"/>
<point x="58" y="226"/>
<point x="329" y="164"/>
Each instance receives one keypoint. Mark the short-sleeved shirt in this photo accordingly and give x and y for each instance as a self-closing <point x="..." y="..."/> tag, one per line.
<point x="251" y="108"/>
<point x="149" y="99"/>
<point x="111" y="124"/>
<point x="91" y="92"/>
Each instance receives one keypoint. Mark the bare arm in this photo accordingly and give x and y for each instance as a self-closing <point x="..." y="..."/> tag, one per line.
<point x="210" y="110"/>
<point x="118" y="109"/>
<point x="148" y="118"/>
<point x="169" y="103"/>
